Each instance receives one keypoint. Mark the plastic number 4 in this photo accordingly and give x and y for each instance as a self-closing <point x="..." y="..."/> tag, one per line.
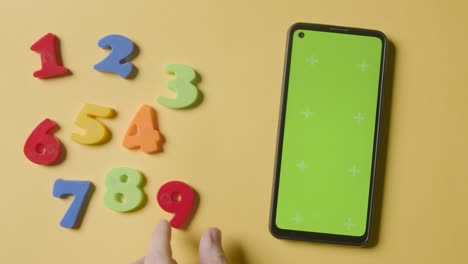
<point x="95" y="131"/>
<point x="143" y="131"/>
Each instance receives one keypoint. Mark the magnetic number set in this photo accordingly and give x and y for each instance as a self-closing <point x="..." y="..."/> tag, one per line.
<point x="123" y="185"/>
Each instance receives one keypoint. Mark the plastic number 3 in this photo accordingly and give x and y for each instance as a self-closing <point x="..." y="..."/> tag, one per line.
<point x="95" y="131"/>
<point x="187" y="93"/>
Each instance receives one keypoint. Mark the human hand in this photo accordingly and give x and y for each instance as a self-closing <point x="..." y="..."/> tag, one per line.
<point x="160" y="252"/>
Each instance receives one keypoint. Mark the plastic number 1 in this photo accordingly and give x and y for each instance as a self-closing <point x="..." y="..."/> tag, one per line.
<point x="79" y="189"/>
<point x="48" y="47"/>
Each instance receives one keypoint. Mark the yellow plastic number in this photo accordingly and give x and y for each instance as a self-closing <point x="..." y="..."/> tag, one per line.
<point x="186" y="92"/>
<point x="94" y="131"/>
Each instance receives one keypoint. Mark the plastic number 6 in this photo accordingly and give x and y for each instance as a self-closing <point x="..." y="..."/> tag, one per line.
<point x="42" y="147"/>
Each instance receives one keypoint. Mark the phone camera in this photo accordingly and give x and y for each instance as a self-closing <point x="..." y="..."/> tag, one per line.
<point x="301" y="34"/>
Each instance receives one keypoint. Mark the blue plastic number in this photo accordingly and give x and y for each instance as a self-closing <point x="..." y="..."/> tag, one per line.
<point x="115" y="62"/>
<point x="79" y="189"/>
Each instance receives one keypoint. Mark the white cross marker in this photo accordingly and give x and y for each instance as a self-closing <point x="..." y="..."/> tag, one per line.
<point x="312" y="60"/>
<point x="363" y="65"/>
<point x="302" y="165"/>
<point x="297" y="219"/>
<point x="307" y="113"/>
<point x="349" y="224"/>
<point x="359" y="117"/>
<point x="355" y="170"/>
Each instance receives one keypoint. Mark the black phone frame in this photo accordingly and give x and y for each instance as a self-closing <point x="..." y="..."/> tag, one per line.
<point x="313" y="236"/>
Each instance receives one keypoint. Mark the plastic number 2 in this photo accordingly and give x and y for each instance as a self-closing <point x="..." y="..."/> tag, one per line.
<point x="95" y="131"/>
<point x="122" y="49"/>
<point x="187" y="93"/>
<point x="79" y="189"/>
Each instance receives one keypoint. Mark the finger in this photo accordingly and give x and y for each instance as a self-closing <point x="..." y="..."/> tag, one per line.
<point x="140" y="261"/>
<point x="159" y="251"/>
<point x="211" y="251"/>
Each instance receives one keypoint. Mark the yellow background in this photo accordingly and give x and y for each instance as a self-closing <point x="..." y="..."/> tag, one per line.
<point x="225" y="147"/>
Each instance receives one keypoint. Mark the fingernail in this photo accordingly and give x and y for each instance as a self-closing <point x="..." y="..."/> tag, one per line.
<point x="215" y="236"/>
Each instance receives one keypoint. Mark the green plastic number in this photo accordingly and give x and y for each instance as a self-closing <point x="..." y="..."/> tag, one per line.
<point x="186" y="92"/>
<point x="123" y="189"/>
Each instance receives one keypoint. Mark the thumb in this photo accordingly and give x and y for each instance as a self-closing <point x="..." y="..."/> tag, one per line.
<point x="210" y="250"/>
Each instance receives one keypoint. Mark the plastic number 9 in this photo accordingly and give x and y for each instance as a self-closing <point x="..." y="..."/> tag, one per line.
<point x="178" y="198"/>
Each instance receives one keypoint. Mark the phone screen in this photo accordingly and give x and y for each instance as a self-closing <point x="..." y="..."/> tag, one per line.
<point x="328" y="137"/>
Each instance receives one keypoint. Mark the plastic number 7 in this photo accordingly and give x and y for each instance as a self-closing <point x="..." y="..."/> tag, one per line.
<point x="95" y="131"/>
<point x="79" y="189"/>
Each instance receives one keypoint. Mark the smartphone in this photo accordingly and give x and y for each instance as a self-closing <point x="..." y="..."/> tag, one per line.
<point x="328" y="135"/>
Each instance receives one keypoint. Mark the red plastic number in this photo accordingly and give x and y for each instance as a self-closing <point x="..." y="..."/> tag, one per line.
<point x="143" y="131"/>
<point x="42" y="147"/>
<point x="178" y="198"/>
<point x="48" y="47"/>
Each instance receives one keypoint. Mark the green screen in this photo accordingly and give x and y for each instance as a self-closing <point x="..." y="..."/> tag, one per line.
<point x="328" y="133"/>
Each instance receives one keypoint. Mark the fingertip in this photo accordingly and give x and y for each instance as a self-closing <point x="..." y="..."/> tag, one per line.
<point x="208" y="238"/>
<point x="140" y="261"/>
<point x="215" y="235"/>
<point x="162" y="226"/>
<point x="210" y="249"/>
<point x="160" y="248"/>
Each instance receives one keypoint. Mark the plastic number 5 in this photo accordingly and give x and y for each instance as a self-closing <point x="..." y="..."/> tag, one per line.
<point x="95" y="131"/>
<point x="187" y="93"/>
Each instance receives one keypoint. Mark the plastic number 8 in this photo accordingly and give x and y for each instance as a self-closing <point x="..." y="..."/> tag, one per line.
<point x="124" y="189"/>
